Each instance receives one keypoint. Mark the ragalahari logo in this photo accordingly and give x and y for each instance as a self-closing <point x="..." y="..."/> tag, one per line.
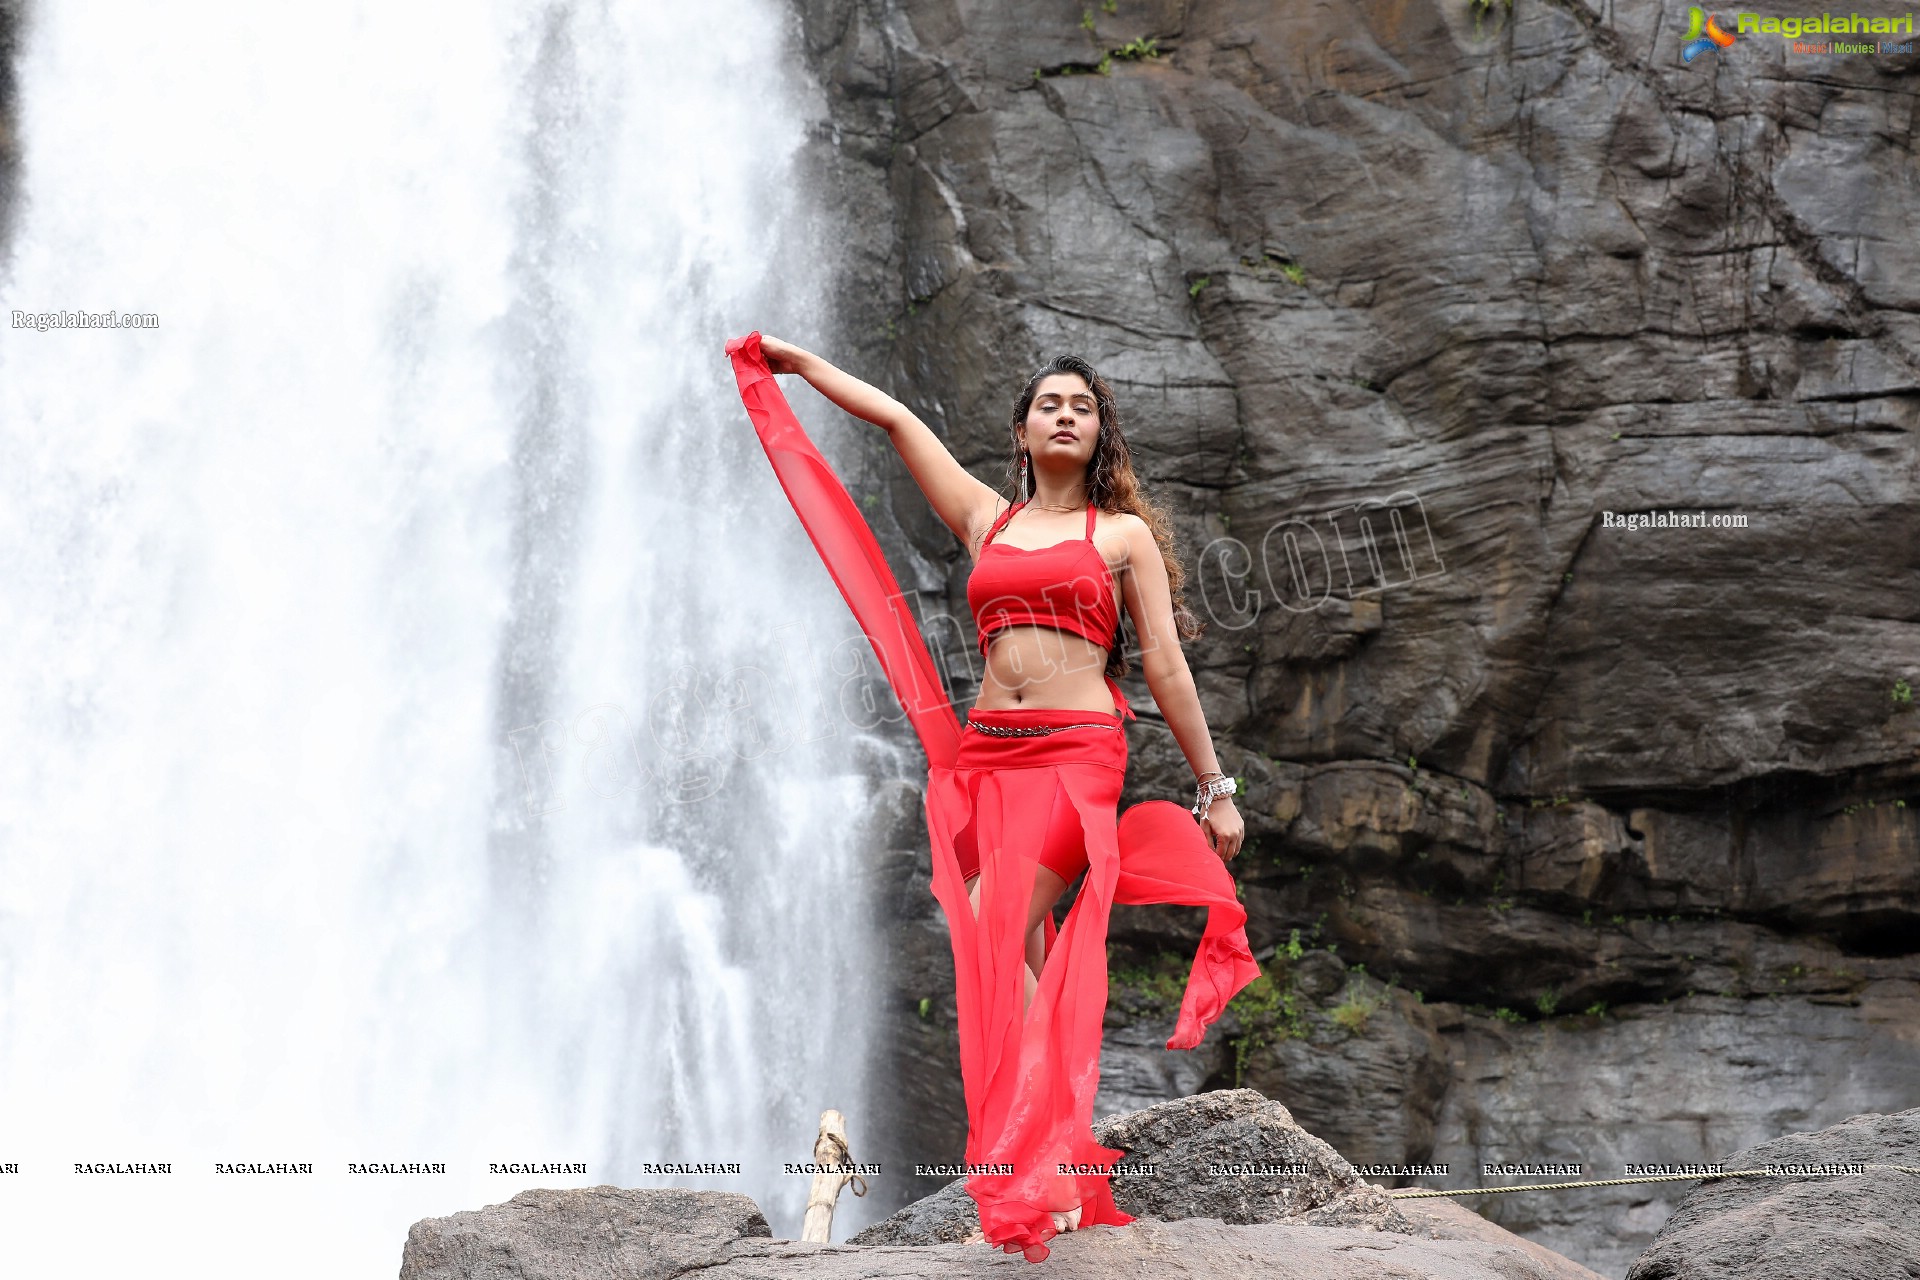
<point x="1703" y="33"/>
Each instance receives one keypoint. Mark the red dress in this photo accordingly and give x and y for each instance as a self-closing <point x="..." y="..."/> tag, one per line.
<point x="1030" y="1079"/>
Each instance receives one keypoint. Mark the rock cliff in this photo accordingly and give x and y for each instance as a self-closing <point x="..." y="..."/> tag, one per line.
<point x="1568" y="841"/>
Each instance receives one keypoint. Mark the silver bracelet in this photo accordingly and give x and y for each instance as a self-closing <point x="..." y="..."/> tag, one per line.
<point x="1205" y="793"/>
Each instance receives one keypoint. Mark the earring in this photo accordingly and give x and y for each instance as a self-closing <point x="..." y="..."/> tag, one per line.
<point x="1023" y="475"/>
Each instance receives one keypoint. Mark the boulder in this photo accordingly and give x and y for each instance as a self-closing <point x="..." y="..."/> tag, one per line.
<point x="1860" y="1226"/>
<point x="1193" y="1247"/>
<point x="1188" y="1143"/>
<point x="643" y="1233"/>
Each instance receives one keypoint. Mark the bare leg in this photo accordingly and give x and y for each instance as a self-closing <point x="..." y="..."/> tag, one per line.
<point x="1047" y="888"/>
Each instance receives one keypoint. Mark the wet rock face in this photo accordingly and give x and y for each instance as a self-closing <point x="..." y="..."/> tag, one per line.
<point x="1514" y="274"/>
<point x="1401" y="304"/>
<point x="1794" y="1225"/>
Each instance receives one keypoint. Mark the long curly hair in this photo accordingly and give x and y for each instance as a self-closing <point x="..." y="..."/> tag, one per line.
<point x="1112" y="486"/>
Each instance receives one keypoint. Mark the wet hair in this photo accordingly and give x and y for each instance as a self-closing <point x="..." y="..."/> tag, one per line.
<point x="1112" y="486"/>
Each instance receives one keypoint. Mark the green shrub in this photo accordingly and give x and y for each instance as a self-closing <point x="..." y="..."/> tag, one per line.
<point x="1353" y="1012"/>
<point x="1269" y="1010"/>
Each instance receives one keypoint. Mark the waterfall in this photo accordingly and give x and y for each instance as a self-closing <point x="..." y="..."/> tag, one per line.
<point x="423" y="744"/>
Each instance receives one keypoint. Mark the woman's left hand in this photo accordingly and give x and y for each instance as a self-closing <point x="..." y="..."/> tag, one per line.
<point x="1224" y="828"/>
<point x="782" y="357"/>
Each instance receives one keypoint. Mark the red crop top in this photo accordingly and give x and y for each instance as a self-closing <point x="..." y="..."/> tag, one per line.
<point x="1067" y="586"/>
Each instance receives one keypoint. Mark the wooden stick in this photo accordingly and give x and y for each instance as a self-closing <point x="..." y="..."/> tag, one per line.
<point x="829" y="1149"/>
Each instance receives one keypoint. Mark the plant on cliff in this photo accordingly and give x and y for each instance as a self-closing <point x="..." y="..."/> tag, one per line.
<point x="1160" y="980"/>
<point x="1271" y="261"/>
<point x="1481" y="8"/>
<point x="1353" y="1012"/>
<point x="1269" y="1010"/>
<point x="1132" y="51"/>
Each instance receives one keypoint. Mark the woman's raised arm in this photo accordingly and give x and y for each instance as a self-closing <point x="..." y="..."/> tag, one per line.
<point x="965" y="505"/>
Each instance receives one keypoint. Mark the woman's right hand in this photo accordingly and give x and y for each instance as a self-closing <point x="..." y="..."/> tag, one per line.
<point x="782" y="357"/>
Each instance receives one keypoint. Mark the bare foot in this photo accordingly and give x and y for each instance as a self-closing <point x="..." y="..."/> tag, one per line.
<point x="1068" y="1221"/>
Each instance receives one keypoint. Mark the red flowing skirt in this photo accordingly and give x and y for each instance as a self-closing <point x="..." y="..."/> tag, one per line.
<point x="1030" y="1076"/>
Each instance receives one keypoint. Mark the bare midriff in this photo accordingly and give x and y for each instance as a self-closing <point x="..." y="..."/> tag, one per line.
<point x="1044" y="667"/>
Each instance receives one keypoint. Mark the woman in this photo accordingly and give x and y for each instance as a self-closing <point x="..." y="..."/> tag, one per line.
<point x="1026" y="799"/>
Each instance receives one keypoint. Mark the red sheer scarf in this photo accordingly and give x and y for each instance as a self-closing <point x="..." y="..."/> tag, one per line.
<point x="1029" y="1077"/>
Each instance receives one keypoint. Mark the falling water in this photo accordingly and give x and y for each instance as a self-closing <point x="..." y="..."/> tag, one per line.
<point x="386" y="632"/>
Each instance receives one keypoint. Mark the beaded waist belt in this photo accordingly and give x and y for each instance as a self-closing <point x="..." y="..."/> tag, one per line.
<point x="1031" y="730"/>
